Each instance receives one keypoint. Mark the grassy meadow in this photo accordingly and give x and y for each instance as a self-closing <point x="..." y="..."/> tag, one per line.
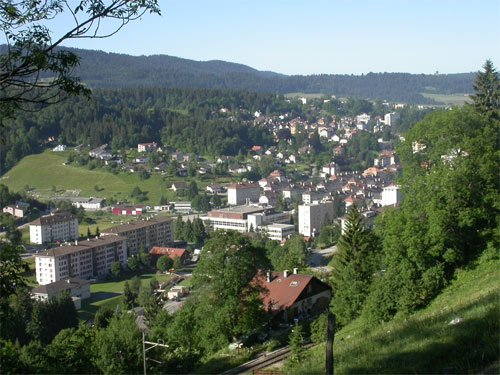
<point x="449" y="99"/>
<point x="47" y="177"/>
<point x="426" y="342"/>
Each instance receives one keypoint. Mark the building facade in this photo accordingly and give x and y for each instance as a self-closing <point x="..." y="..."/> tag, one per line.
<point x="78" y="289"/>
<point x="391" y="196"/>
<point x="144" y="234"/>
<point x="90" y="204"/>
<point x="278" y="232"/>
<point x="244" y="218"/>
<point x="85" y="259"/>
<point x="242" y="193"/>
<point x="312" y="217"/>
<point x="59" y="226"/>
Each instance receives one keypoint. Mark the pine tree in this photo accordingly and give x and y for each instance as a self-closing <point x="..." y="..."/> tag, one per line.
<point x="487" y="87"/>
<point x="353" y="266"/>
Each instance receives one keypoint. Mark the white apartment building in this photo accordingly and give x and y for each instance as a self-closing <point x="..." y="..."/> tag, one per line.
<point x="278" y="232"/>
<point x="242" y="193"/>
<point x="144" y="234"/>
<point x="84" y="259"/>
<point x="391" y="118"/>
<point x="312" y="217"/>
<point x="391" y="195"/>
<point x="59" y="226"/>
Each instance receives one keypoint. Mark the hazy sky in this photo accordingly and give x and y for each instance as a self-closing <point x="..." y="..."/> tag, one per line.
<point x="319" y="36"/>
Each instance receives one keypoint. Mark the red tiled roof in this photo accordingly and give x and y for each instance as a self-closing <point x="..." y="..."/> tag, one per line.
<point x="172" y="252"/>
<point x="282" y="292"/>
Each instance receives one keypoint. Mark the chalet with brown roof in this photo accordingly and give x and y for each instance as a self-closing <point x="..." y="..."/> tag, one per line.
<point x="290" y="295"/>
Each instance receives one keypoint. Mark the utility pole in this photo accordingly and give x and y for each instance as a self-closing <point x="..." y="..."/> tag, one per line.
<point x="329" y="343"/>
<point x="147" y="345"/>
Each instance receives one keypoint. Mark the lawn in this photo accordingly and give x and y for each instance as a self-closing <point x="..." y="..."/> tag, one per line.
<point x="428" y="341"/>
<point x="110" y="293"/>
<point x="44" y="172"/>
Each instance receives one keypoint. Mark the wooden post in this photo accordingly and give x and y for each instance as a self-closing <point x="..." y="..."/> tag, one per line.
<point x="329" y="343"/>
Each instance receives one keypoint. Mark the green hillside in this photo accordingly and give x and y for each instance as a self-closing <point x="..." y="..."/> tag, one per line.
<point x="46" y="171"/>
<point x="427" y="342"/>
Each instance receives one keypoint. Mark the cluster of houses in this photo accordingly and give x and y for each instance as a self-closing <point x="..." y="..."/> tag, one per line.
<point x="258" y="206"/>
<point x="71" y="266"/>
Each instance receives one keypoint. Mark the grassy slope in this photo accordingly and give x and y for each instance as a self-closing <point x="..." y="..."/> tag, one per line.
<point x="43" y="171"/>
<point x="449" y="99"/>
<point x="426" y="342"/>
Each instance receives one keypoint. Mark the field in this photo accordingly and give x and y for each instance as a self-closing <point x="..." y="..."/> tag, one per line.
<point x="46" y="172"/>
<point x="457" y="333"/>
<point x="110" y="293"/>
<point x="449" y="99"/>
<point x="46" y="177"/>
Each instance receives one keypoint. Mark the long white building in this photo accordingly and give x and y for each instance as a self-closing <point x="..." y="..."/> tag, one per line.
<point x="85" y="259"/>
<point x="144" y="234"/>
<point x="312" y="217"/>
<point x="58" y="226"/>
<point x="245" y="218"/>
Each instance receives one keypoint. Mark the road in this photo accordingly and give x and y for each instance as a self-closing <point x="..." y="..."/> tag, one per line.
<point x="321" y="257"/>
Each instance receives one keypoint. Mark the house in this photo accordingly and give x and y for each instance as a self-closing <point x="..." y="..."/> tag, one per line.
<point x="77" y="288"/>
<point x="290" y="296"/>
<point x="215" y="189"/>
<point x="171" y="252"/>
<point x="129" y="211"/>
<point x="59" y="148"/>
<point x="236" y="168"/>
<point x="177" y="292"/>
<point x="147" y="147"/>
<point x="16" y="210"/>
<point x="88" y="204"/>
<point x="101" y="153"/>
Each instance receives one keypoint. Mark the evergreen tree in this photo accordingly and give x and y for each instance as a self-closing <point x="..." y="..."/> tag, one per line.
<point x="487" y="91"/>
<point x="353" y="266"/>
<point x="179" y="228"/>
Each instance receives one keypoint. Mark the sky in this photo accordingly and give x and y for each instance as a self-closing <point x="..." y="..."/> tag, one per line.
<point x="317" y="36"/>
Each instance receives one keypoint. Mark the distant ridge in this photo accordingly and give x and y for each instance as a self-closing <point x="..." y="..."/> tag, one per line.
<point x="101" y="69"/>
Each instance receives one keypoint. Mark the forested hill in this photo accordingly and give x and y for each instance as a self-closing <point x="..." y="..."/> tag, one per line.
<point x="110" y="70"/>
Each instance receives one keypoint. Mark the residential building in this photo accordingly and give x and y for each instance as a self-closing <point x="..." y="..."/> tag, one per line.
<point x="58" y="226"/>
<point x="171" y="252"/>
<point x="147" y="147"/>
<point x="16" y="210"/>
<point x="390" y="119"/>
<point x="312" y="216"/>
<point x="77" y="288"/>
<point x="242" y="193"/>
<point x="143" y="234"/>
<point x="88" y="204"/>
<point x="129" y="211"/>
<point x="278" y="232"/>
<point x="59" y="148"/>
<point x="391" y="195"/>
<point x="84" y="259"/>
<point x="290" y="296"/>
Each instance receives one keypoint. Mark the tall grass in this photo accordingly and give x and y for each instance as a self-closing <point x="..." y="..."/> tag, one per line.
<point x="426" y="342"/>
